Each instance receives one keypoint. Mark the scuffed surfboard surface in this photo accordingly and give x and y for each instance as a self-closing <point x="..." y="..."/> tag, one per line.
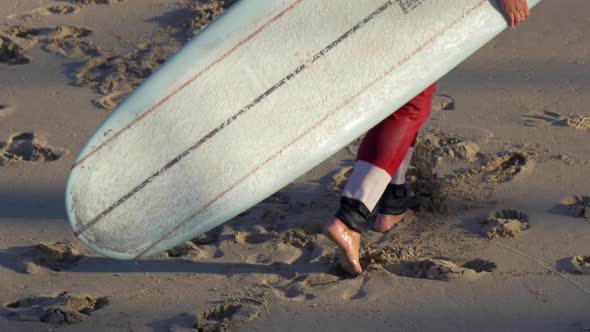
<point x="265" y="93"/>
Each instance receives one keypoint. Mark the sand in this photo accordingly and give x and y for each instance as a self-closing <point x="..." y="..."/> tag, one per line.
<point x="501" y="172"/>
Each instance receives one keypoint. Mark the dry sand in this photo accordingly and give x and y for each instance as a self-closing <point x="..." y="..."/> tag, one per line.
<point x="506" y="151"/>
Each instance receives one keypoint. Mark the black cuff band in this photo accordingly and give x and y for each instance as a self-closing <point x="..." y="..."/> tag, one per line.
<point x="394" y="200"/>
<point x="353" y="213"/>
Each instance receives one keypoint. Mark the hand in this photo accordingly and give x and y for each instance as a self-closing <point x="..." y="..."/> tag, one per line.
<point x="516" y="10"/>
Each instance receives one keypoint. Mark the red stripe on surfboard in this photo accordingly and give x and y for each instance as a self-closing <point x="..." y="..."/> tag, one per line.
<point x="187" y="83"/>
<point x="316" y="125"/>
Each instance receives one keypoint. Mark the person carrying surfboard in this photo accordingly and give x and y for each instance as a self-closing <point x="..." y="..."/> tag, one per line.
<point x="378" y="179"/>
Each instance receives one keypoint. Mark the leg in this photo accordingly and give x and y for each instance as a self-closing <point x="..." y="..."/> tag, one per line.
<point x="394" y="203"/>
<point x="380" y="154"/>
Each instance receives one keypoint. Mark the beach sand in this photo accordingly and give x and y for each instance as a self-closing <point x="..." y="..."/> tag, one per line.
<point x="502" y="171"/>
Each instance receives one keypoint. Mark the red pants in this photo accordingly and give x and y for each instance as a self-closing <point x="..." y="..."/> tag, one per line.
<point x="386" y="145"/>
<point x="381" y="152"/>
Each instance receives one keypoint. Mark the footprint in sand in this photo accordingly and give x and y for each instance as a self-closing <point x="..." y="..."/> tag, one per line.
<point x="318" y="279"/>
<point x="442" y="269"/>
<point x="258" y="237"/>
<point x="27" y="147"/>
<point x="548" y="118"/>
<point x="377" y="257"/>
<point x="581" y="264"/>
<point x="58" y="308"/>
<point x="297" y="293"/>
<point x="387" y="254"/>
<point x="116" y="77"/>
<point x="277" y="247"/>
<point x="578" y="206"/>
<point x="26" y="36"/>
<point x="202" y="13"/>
<point x="71" y="42"/>
<point x="67" y="9"/>
<point x="504" y="223"/>
<point x="442" y="102"/>
<point x="444" y="146"/>
<point x="191" y="252"/>
<point x="479" y="181"/>
<point x="504" y="166"/>
<point x="211" y="237"/>
<point x="274" y="207"/>
<point x="225" y="317"/>
<point x="64" y="40"/>
<point x="46" y="11"/>
<point x="57" y="256"/>
<point x="202" y="247"/>
<point x="5" y="110"/>
<point x="293" y="292"/>
<point x="11" y="52"/>
<point x="279" y="253"/>
<point x="96" y="2"/>
<point x="296" y="289"/>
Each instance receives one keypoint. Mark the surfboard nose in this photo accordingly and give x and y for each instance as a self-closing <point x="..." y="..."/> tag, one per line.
<point x="96" y="231"/>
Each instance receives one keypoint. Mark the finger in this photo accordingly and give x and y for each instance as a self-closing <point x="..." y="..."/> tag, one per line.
<point x="517" y="18"/>
<point x="527" y="11"/>
<point x="512" y="20"/>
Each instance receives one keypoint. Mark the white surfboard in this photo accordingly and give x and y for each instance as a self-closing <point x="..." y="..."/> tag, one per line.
<point x="265" y="93"/>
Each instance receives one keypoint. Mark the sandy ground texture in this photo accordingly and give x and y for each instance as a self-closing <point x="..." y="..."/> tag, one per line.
<point x="502" y="171"/>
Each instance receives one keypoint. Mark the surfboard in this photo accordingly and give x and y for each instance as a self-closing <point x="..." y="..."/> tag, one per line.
<point x="266" y="92"/>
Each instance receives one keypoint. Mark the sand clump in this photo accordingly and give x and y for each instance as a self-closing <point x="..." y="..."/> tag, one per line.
<point x="452" y="147"/>
<point x="550" y="118"/>
<point x="56" y="256"/>
<point x="187" y="248"/>
<point x="203" y="13"/>
<point x="504" y="223"/>
<point x="191" y="252"/>
<point x="115" y="77"/>
<point x="581" y="264"/>
<point x="63" y="40"/>
<point x="442" y="102"/>
<point x="425" y="186"/>
<point x="226" y="316"/>
<point x="388" y="253"/>
<point x="58" y="309"/>
<point x="578" y="206"/>
<point x="339" y="179"/>
<point x="474" y="175"/>
<point x="11" y="52"/>
<point x="27" y="147"/>
<point x="71" y="42"/>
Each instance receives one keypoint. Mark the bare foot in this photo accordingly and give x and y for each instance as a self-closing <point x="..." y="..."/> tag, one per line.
<point x="349" y="241"/>
<point x="385" y="222"/>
